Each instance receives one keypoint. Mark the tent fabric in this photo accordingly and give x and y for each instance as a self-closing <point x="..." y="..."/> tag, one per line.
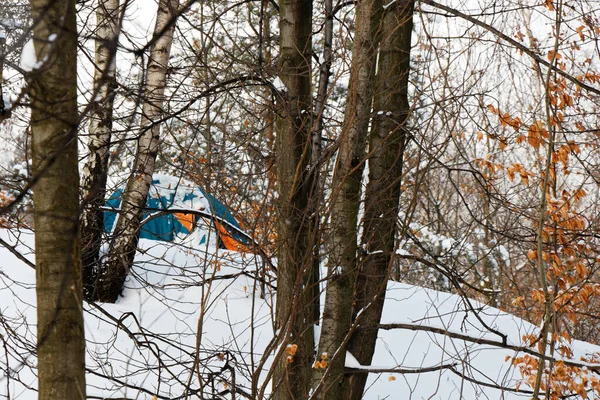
<point x="217" y="208"/>
<point x="170" y="192"/>
<point x="229" y="240"/>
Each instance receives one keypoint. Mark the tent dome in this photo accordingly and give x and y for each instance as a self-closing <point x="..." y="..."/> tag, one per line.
<point x="176" y="208"/>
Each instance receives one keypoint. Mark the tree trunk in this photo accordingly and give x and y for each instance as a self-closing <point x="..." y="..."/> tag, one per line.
<point x="95" y="171"/>
<point x="53" y="92"/>
<point x="346" y="189"/>
<point x="316" y="151"/>
<point x="127" y="231"/>
<point x="295" y="280"/>
<point x="4" y="113"/>
<point x="386" y="145"/>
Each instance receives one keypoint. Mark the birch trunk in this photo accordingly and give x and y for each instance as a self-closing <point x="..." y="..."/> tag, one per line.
<point x="53" y="93"/>
<point x="4" y="113"/>
<point x="346" y="189"/>
<point x="387" y="141"/>
<point x="95" y="170"/>
<point x="127" y="231"/>
<point x="295" y="279"/>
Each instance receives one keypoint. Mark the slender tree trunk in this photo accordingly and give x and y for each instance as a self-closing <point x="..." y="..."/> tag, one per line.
<point x="316" y="150"/>
<point x="127" y="231"/>
<point x="295" y="279"/>
<point x="346" y="189"/>
<point x="4" y="113"/>
<point x="324" y="74"/>
<point x="265" y="59"/>
<point x="53" y="92"/>
<point x="386" y="145"/>
<point x="95" y="171"/>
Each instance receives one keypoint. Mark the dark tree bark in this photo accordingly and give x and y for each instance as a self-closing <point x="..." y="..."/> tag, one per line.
<point x="95" y="171"/>
<point x="126" y="234"/>
<point x="346" y="190"/>
<point x="53" y="92"/>
<point x="386" y="147"/>
<point x="296" y="238"/>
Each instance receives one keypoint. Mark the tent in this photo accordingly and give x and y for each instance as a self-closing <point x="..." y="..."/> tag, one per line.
<point x="165" y="218"/>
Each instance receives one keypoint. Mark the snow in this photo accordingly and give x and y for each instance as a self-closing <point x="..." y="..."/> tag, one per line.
<point x="447" y="244"/>
<point x="21" y="169"/>
<point x="6" y="101"/>
<point x="28" y="57"/>
<point x="388" y="5"/>
<point x="29" y="60"/>
<point x="184" y="188"/>
<point x="163" y="298"/>
<point x="11" y="23"/>
<point x="278" y="84"/>
<point x="505" y="255"/>
<point x="170" y="286"/>
<point x="351" y="362"/>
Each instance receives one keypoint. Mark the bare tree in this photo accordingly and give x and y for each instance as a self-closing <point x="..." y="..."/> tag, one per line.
<point x="386" y="146"/>
<point x="428" y="165"/>
<point x="95" y="171"/>
<point x="54" y="120"/>
<point x="346" y="193"/>
<point x="295" y="314"/>
<point x="4" y="113"/>
<point x="123" y="246"/>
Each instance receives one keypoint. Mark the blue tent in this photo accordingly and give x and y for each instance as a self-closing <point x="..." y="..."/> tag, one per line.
<point x="167" y="192"/>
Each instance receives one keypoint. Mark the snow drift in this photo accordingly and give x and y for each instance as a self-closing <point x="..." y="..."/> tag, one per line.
<point x="153" y="343"/>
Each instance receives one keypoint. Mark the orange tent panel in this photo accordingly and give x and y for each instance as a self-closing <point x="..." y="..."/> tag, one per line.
<point x="228" y="240"/>
<point x="187" y="220"/>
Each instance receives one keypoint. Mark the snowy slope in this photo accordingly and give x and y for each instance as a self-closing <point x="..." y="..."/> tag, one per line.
<point x="147" y="341"/>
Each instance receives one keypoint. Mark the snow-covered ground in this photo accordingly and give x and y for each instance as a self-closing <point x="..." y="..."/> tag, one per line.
<point x="147" y="341"/>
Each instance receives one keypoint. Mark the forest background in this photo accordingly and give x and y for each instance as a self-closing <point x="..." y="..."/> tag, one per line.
<point x="451" y="146"/>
